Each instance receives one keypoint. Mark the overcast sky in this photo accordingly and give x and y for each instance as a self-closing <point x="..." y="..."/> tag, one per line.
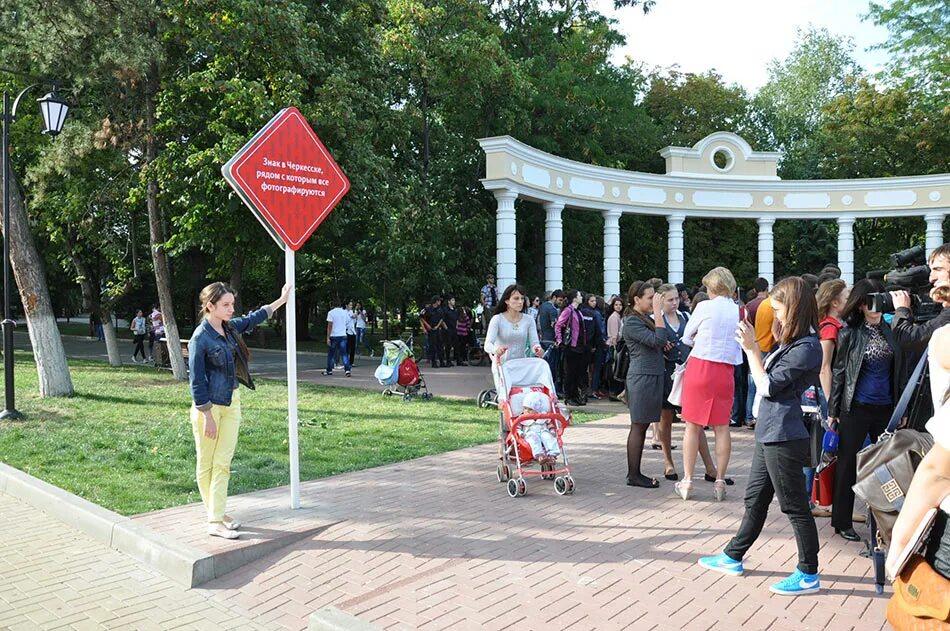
<point x="737" y="38"/>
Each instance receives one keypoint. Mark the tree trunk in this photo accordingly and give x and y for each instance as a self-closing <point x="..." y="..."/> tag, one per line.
<point x="30" y="274"/>
<point x="112" y="340"/>
<point x="157" y="235"/>
<point x="237" y="278"/>
<point x="93" y="304"/>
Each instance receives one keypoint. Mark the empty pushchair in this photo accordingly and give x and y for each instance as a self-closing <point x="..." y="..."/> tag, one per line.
<point x="399" y="372"/>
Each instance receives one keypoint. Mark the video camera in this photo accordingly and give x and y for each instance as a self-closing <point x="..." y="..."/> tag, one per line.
<point x="911" y="274"/>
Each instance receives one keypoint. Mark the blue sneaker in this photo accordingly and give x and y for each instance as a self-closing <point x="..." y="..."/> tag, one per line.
<point x="722" y="563"/>
<point x="797" y="584"/>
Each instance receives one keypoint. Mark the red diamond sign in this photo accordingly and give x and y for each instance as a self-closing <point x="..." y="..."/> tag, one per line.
<point x="288" y="178"/>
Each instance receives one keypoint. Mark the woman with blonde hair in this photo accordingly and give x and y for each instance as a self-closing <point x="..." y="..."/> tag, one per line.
<point x="709" y="380"/>
<point x="217" y="363"/>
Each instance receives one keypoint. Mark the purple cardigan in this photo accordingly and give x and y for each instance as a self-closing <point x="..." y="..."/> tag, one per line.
<point x="576" y="323"/>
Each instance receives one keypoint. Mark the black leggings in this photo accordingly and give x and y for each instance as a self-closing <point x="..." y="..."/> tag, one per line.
<point x="139" y="345"/>
<point x="575" y="373"/>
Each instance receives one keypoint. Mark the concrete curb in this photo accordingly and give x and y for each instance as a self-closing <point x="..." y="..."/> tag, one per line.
<point x="184" y="565"/>
<point x="333" y="619"/>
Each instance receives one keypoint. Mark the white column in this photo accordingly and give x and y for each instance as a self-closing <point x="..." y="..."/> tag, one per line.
<point x="505" y="246"/>
<point x="766" y="249"/>
<point x="674" y="248"/>
<point x="611" y="252"/>
<point x="846" y="248"/>
<point x="934" y="230"/>
<point x="553" y="246"/>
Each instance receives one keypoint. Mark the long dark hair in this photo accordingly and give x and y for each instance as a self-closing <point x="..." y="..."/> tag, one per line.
<point x="852" y="313"/>
<point x="610" y="306"/>
<point x="801" y="308"/>
<point x="213" y="293"/>
<point x="636" y="290"/>
<point x="501" y="307"/>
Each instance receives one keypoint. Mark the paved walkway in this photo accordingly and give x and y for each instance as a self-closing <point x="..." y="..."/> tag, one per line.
<point x="436" y="543"/>
<point x="54" y="577"/>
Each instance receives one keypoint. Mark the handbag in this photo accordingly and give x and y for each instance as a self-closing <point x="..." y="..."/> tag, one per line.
<point x="621" y="362"/>
<point x="921" y="598"/>
<point x="886" y="468"/>
<point x="676" y="393"/>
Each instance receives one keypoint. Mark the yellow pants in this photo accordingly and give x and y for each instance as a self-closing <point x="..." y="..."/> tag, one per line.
<point x="214" y="454"/>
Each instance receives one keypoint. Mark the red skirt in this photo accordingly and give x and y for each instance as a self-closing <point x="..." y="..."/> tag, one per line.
<point x="708" y="390"/>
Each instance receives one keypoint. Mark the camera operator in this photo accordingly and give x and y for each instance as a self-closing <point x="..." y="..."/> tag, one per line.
<point x="918" y="334"/>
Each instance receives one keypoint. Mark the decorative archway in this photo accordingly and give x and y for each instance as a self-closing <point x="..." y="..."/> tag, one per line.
<point x="720" y="176"/>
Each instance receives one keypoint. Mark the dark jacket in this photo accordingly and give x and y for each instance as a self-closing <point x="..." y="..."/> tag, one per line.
<point x="547" y="316"/>
<point x="593" y="327"/>
<point x="791" y="370"/>
<point x="915" y="336"/>
<point x="645" y="345"/>
<point x="211" y="357"/>
<point x="849" y="355"/>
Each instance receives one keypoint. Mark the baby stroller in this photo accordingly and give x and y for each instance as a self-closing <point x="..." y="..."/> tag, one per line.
<point x="399" y="372"/>
<point x="513" y="381"/>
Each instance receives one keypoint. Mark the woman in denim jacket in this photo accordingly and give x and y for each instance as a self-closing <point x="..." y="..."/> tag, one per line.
<point x="217" y="357"/>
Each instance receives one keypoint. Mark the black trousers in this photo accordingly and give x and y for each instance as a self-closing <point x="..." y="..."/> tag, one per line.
<point x="436" y="346"/>
<point x="777" y="471"/>
<point x="351" y="346"/>
<point x="575" y="373"/>
<point x="853" y="427"/>
<point x="452" y="350"/>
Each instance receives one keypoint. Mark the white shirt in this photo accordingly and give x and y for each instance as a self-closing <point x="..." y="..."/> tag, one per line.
<point x="711" y="331"/>
<point x="939" y="376"/>
<point x="361" y="319"/>
<point x="339" y="317"/>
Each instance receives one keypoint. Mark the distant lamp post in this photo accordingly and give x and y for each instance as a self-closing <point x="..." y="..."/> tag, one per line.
<point x="54" y="110"/>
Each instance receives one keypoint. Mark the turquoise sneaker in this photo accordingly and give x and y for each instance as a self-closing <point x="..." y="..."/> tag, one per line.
<point x="722" y="563"/>
<point x="797" y="584"/>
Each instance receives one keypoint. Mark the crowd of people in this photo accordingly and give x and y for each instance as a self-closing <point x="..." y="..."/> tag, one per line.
<point x="720" y="360"/>
<point x="714" y="358"/>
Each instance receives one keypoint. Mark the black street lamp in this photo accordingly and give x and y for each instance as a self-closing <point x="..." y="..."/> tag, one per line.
<point x="54" y="110"/>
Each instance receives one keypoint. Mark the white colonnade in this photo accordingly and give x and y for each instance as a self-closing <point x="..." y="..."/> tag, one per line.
<point x="695" y="185"/>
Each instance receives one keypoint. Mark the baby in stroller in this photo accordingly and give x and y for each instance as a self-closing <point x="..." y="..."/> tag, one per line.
<point x="539" y="433"/>
<point x="532" y="424"/>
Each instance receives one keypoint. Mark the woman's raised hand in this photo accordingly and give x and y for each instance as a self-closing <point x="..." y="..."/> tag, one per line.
<point x="745" y="335"/>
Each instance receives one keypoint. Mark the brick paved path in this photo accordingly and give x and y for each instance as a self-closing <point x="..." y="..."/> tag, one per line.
<point x="54" y="577"/>
<point x="436" y="543"/>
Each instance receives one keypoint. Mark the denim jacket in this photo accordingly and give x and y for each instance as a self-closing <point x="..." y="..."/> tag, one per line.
<point x="211" y="358"/>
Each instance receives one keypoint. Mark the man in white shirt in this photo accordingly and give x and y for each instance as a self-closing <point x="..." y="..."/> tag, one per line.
<point x="337" y="321"/>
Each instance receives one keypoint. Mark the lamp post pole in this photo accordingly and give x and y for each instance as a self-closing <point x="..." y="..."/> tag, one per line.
<point x="9" y="408"/>
<point x="54" y="111"/>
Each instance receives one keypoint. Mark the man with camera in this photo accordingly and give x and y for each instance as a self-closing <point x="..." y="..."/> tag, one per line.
<point x="919" y="333"/>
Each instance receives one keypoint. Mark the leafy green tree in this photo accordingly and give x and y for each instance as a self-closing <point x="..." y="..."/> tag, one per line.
<point x="919" y="44"/>
<point x="820" y="68"/>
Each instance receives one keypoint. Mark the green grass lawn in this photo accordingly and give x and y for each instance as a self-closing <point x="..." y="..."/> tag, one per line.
<point x="125" y="442"/>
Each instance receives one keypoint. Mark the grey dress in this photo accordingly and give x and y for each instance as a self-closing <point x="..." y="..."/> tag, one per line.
<point x="647" y="365"/>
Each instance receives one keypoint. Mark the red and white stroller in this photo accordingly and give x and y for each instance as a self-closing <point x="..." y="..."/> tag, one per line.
<point x="514" y="380"/>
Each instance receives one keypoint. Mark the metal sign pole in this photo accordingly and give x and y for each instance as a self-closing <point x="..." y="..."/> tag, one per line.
<point x="291" y="331"/>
